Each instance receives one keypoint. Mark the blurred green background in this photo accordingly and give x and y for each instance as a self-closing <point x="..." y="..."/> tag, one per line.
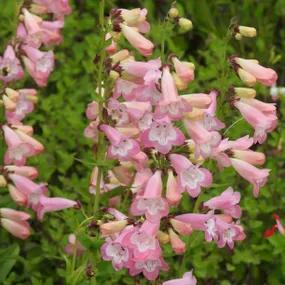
<point x="67" y="162"/>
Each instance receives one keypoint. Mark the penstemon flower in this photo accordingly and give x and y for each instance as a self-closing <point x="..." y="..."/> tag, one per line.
<point x="33" y="33"/>
<point x="163" y="140"/>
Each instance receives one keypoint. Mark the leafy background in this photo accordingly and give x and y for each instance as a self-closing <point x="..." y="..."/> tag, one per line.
<point x="67" y="162"/>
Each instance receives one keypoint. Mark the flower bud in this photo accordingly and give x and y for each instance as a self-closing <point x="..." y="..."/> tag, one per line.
<point x="163" y="237"/>
<point x="3" y="181"/>
<point x="248" y="32"/>
<point x="114" y="75"/>
<point x="113" y="227"/>
<point x="238" y="36"/>
<point x="177" y="244"/>
<point x="246" y="77"/>
<point x="180" y="84"/>
<point x="185" y="24"/>
<point x="173" y="13"/>
<point x="248" y="93"/>
<point x="120" y="55"/>
<point x="181" y="227"/>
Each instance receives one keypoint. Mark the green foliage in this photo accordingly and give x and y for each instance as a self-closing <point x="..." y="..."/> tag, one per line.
<point x="66" y="164"/>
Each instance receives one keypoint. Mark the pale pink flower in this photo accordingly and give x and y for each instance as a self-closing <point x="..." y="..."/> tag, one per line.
<point x="262" y="123"/>
<point x="257" y="177"/>
<point x="150" y="203"/>
<point x="18" y="150"/>
<point x="162" y="135"/>
<point x="59" y="8"/>
<point x="74" y="246"/>
<point x="41" y="32"/>
<point x="198" y="100"/>
<point x="183" y="70"/>
<point x="39" y="64"/>
<point x="122" y="147"/>
<point x="178" y="246"/>
<point x="143" y="242"/>
<point x="227" y="202"/>
<point x="91" y="131"/>
<point x="191" y="177"/>
<point x="15" y="222"/>
<point x="173" y="191"/>
<point x="149" y="71"/>
<point x="171" y="105"/>
<point x="139" y="42"/>
<point x="92" y="111"/>
<point x="211" y="122"/>
<point x="24" y="100"/>
<point x="10" y="66"/>
<point x="187" y="279"/>
<point x="150" y="267"/>
<point x="266" y="76"/>
<point x="27" y="171"/>
<point x="115" y="251"/>
<point x="136" y="18"/>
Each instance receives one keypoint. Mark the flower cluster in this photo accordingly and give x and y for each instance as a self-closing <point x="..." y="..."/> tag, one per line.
<point x="161" y="139"/>
<point x="30" y="49"/>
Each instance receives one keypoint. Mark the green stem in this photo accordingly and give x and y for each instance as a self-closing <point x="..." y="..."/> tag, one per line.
<point x="100" y="86"/>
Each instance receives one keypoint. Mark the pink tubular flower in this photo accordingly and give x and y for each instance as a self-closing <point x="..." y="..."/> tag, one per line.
<point x="184" y="70"/>
<point x="266" y="76"/>
<point x="187" y="279"/>
<point x="150" y="202"/>
<point x="92" y="111"/>
<point x="39" y="64"/>
<point x="227" y="202"/>
<point x="211" y="122"/>
<point x="162" y="136"/>
<point x="191" y="178"/>
<point x="91" y="131"/>
<point x="15" y="222"/>
<point x="261" y="122"/>
<point x="114" y="250"/>
<point x="181" y="227"/>
<point x="173" y="191"/>
<point x="74" y="246"/>
<point x="121" y="147"/>
<point x="18" y="150"/>
<point x="148" y="71"/>
<point x="35" y="196"/>
<point x="177" y="244"/>
<point x="59" y="8"/>
<point x="41" y="32"/>
<point x="143" y="242"/>
<point x="171" y="105"/>
<point x="27" y="171"/>
<point x="257" y="177"/>
<point x="10" y="66"/>
<point x="150" y="267"/>
<point x="143" y="45"/>
<point x="136" y="18"/>
<point x="23" y="101"/>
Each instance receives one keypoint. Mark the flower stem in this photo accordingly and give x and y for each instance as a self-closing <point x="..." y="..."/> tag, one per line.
<point x="100" y="87"/>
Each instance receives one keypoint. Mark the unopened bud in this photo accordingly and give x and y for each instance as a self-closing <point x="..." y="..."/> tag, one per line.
<point x="21" y="18"/>
<point x="180" y="84"/>
<point x="113" y="227"/>
<point x="173" y="13"/>
<point x="242" y="92"/>
<point x="248" y="32"/>
<point x="246" y="77"/>
<point x="114" y="75"/>
<point x="238" y="36"/>
<point x="3" y="182"/>
<point x="163" y="237"/>
<point x="185" y="24"/>
<point x="120" y="55"/>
